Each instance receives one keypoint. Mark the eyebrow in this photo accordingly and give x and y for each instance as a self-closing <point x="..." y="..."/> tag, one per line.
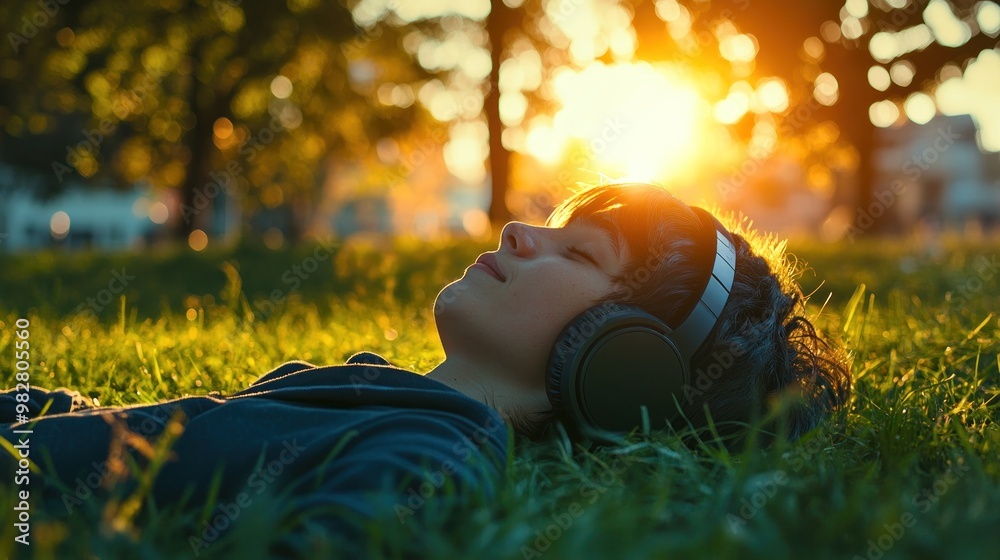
<point x="608" y="228"/>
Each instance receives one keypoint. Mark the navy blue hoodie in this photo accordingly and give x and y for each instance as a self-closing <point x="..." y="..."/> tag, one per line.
<point x="350" y="439"/>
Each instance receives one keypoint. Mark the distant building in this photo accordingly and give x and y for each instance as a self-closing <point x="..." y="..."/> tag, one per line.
<point x="936" y="174"/>
<point x="924" y="175"/>
<point x="80" y="217"/>
<point x="365" y="214"/>
<point x="420" y="197"/>
<point x="776" y="195"/>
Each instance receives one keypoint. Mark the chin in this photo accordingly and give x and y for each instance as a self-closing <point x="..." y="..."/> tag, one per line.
<point x="449" y="297"/>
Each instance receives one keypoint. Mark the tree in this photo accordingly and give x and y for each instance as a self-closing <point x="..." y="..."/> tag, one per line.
<point x="501" y="20"/>
<point x="205" y="97"/>
<point x="818" y="37"/>
<point x="822" y="54"/>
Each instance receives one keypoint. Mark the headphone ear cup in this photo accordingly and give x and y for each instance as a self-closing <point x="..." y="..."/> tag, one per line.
<point x="574" y="340"/>
<point x="610" y="360"/>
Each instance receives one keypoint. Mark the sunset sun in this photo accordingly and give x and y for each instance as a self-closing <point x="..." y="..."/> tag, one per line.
<point x="639" y="123"/>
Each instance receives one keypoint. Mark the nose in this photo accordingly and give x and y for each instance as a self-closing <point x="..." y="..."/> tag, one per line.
<point x="519" y="238"/>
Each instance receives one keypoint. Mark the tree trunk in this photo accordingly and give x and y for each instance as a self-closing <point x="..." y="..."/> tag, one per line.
<point x="864" y="143"/>
<point x="496" y="25"/>
<point x="196" y="204"/>
<point x="200" y="189"/>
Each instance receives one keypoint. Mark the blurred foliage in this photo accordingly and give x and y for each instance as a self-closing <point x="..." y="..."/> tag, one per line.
<point x="824" y="57"/>
<point x="821" y="58"/>
<point x="187" y="93"/>
<point x="182" y="93"/>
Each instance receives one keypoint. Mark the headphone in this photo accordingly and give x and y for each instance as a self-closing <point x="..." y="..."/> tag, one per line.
<point x="613" y="359"/>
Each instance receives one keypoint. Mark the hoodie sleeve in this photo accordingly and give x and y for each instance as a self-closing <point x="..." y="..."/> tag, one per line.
<point x="367" y="358"/>
<point x="401" y="469"/>
<point x="299" y="365"/>
<point x="58" y="401"/>
<point x="284" y="369"/>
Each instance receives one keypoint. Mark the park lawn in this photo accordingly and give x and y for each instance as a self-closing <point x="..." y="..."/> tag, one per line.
<point x="911" y="470"/>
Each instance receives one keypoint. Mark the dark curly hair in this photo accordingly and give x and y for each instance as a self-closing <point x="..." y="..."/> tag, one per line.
<point x="762" y="348"/>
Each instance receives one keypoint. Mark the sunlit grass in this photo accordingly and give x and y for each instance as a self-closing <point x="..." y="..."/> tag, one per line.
<point x="913" y="469"/>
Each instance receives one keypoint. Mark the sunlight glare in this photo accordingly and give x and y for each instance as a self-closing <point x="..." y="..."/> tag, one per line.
<point x="635" y="119"/>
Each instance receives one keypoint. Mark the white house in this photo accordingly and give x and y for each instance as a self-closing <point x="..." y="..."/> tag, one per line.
<point x="939" y="173"/>
<point x="80" y="217"/>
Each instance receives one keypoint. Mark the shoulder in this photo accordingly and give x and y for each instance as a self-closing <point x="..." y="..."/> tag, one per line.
<point x="295" y="366"/>
<point x="367" y="358"/>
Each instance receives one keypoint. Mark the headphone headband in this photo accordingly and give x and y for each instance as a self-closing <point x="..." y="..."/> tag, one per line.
<point x="691" y="334"/>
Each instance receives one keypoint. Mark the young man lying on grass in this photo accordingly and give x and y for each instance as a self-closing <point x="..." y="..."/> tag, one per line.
<point x="540" y="332"/>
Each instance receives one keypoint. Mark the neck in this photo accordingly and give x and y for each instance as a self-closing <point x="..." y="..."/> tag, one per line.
<point x="489" y="386"/>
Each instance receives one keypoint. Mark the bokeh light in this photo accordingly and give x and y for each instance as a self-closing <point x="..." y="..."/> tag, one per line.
<point x="988" y="18"/>
<point x="919" y="107"/>
<point x="773" y="96"/>
<point x="948" y="30"/>
<point x="883" y="113"/>
<point x="281" y="87"/>
<point x="140" y="207"/>
<point x="59" y="225"/>
<point x="273" y="238"/>
<point x="198" y="240"/>
<point x="158" y="213"/>
<point x="826" y="90"/>
<point x="476" y="223"/>
<point x="878" y="78"/>
<point x="902" y="73"/>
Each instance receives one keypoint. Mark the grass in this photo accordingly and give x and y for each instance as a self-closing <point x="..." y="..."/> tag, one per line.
<point x="911" y="470"/>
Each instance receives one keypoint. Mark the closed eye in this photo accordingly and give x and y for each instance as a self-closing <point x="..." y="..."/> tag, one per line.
<point x="583" y="253"/>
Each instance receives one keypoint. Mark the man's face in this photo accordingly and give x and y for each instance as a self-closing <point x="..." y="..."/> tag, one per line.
<point x="511" y="325"/>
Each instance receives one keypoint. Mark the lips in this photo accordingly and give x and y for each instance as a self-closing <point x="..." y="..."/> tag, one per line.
<point x="490" y="260"/>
